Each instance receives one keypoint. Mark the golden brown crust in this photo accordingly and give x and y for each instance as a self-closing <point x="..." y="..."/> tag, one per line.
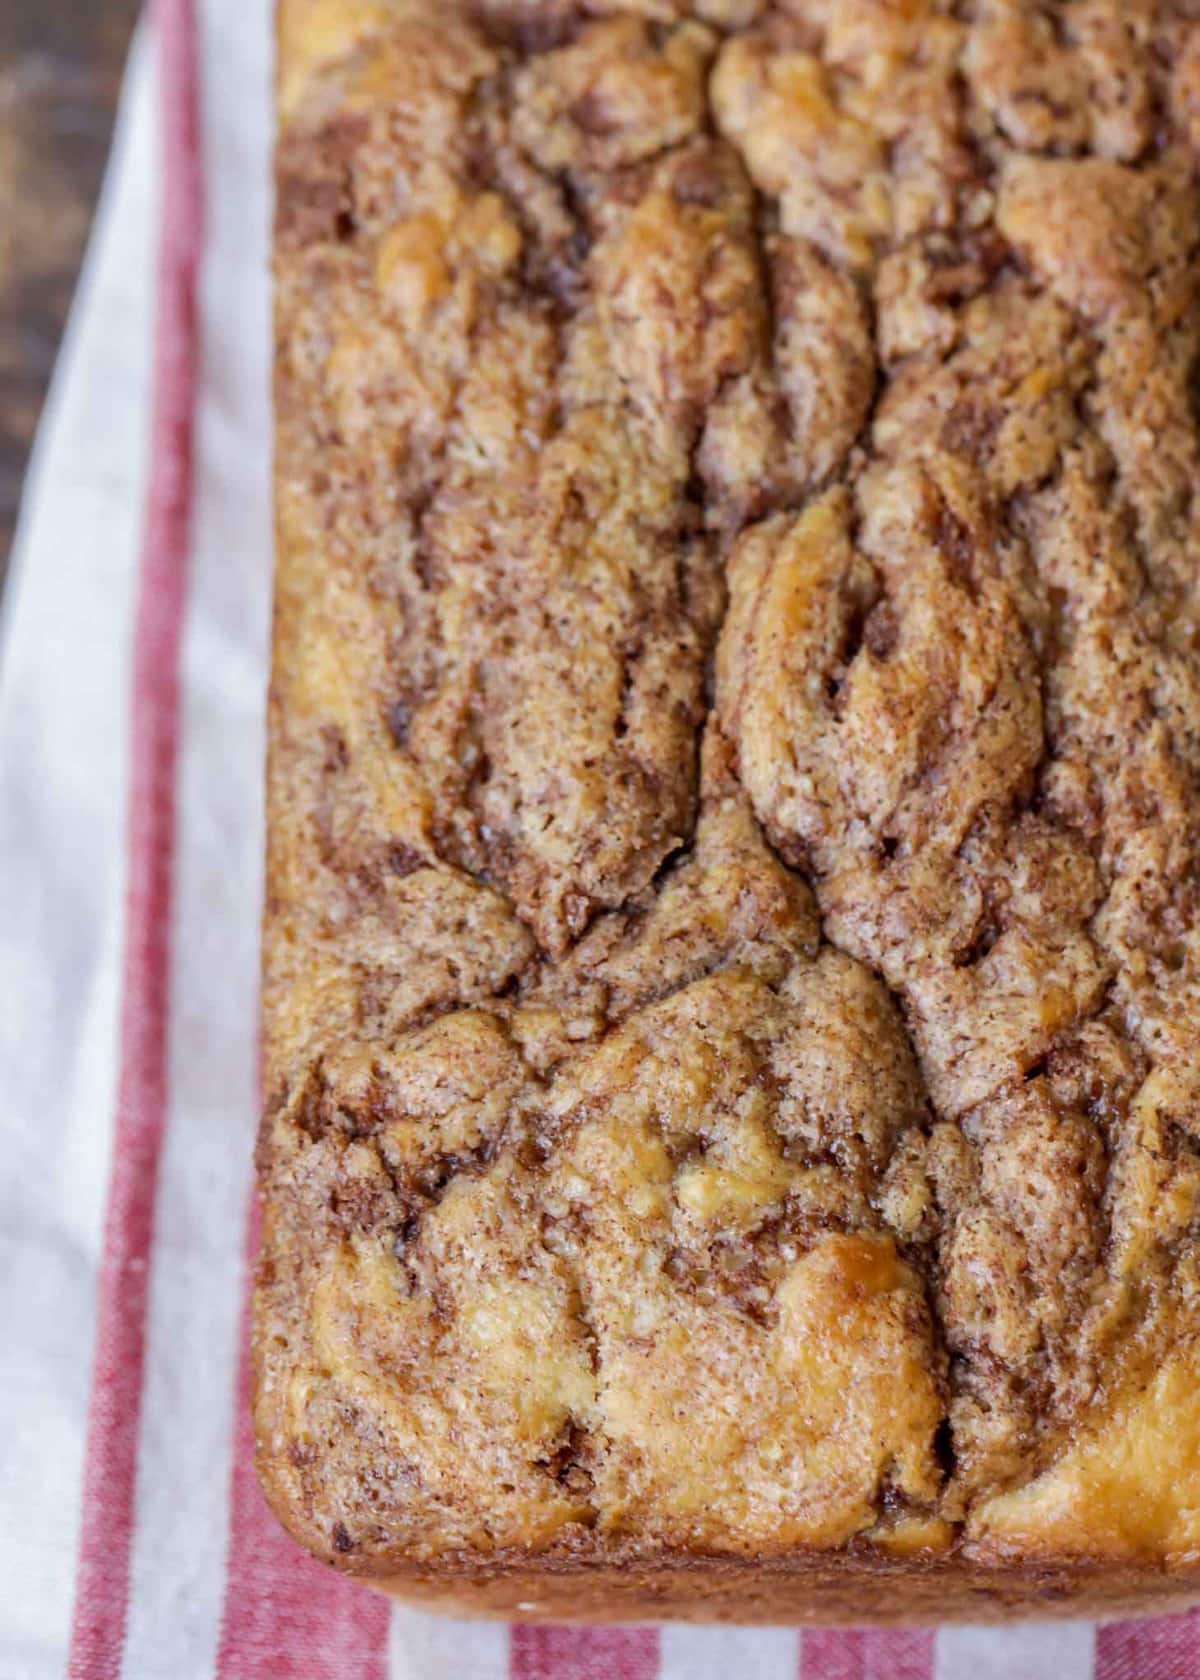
<point x="831" y="1589"/>
<point x="732" y="1142"/>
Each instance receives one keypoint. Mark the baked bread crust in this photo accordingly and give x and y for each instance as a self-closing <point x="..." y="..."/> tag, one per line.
<point x="731" y="1143"/>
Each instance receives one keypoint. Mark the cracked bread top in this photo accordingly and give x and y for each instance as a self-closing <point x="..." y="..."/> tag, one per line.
<point x="731" y="948"/>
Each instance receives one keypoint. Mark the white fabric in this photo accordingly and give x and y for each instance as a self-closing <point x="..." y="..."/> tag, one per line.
<point x="1064" y="1652"/>
<point x="423" y="1647"/>
<point x="720" y="1653"/>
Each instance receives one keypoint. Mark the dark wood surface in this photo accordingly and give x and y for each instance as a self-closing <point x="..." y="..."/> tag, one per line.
<point x="60" y="74"/>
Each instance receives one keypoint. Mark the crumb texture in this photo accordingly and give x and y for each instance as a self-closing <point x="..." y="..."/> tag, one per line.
<point x="732" y="956"/>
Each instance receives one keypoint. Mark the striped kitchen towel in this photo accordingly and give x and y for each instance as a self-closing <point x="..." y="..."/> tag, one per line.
<point x="133" y="1540"/>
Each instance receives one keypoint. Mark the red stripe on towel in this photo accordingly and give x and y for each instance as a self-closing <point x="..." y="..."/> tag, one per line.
<point x="110" y="1469"/>
<point x="866" y="1654"/>
<point x="587" y="1653"/>
<point x="287" y="1617"/>
<point x="1162" y="1650"/>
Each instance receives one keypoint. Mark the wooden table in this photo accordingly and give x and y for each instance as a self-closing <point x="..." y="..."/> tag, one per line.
<point x="60" y="72"/>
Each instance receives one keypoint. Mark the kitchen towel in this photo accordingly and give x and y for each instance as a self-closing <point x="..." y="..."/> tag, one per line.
<point x="134" y="1544"/>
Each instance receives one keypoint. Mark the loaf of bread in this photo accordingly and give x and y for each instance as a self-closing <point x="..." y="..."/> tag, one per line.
<point x="732" y="1001"/>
